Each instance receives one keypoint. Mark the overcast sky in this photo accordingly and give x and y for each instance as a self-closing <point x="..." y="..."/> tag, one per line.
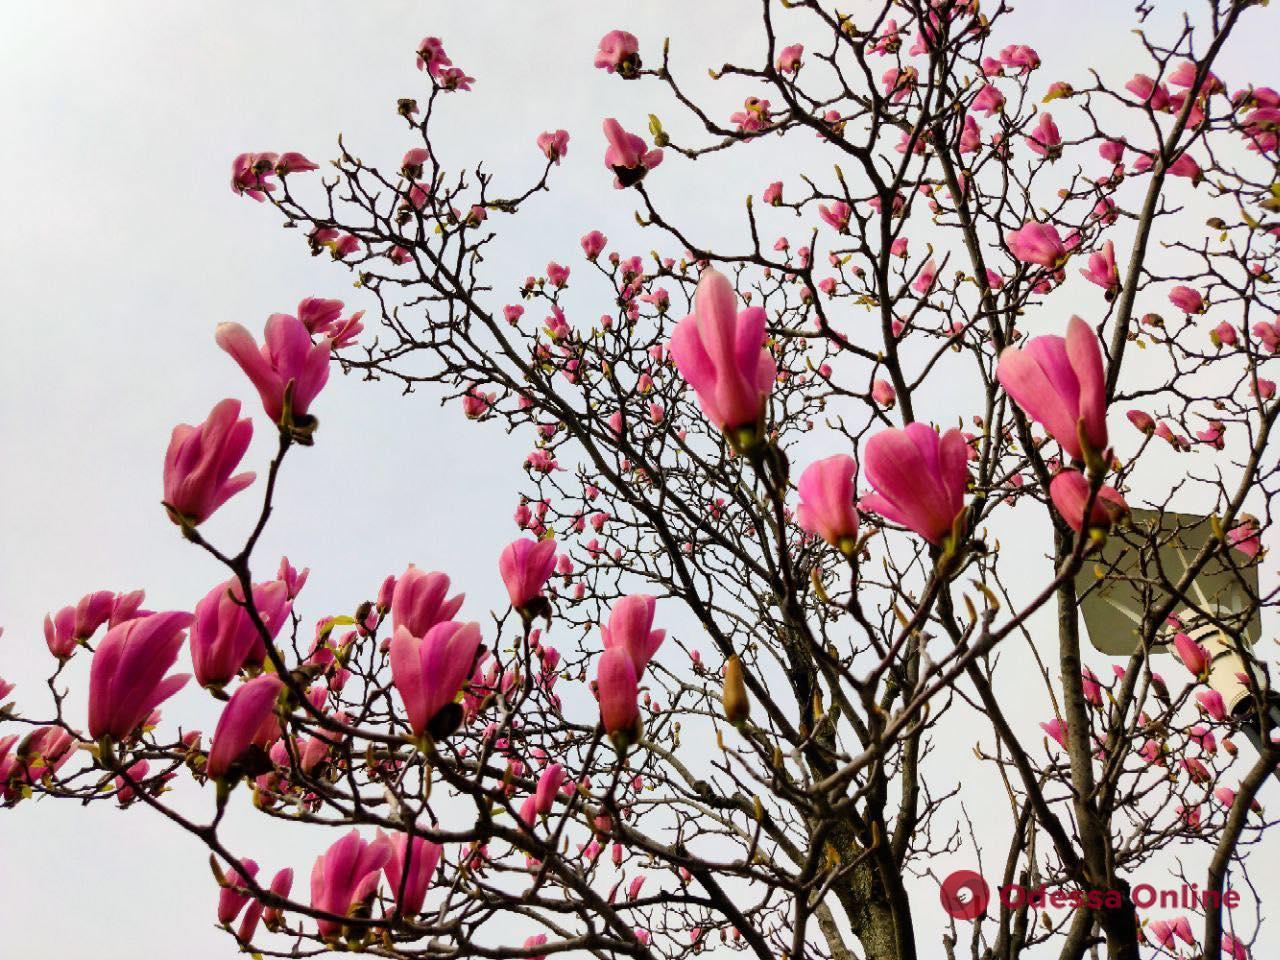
<point x="123" y="247"/>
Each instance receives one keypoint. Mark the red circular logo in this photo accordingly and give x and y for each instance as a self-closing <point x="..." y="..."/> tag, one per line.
<point x="964" y="895"/>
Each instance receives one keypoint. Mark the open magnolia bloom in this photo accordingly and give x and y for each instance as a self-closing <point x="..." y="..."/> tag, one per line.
<point x="823" y="569"/>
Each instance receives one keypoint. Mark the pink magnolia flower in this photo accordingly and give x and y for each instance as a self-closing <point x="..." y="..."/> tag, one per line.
<point x="661" y="299"/>
<point x="234" y="893"/>
<point x="1059" y="382"/>
<point x="554" y="145"/>
<point x="924" y="282"/>
<point x="431" y="56"/>
<point x="476" y="404"/>
<point x="899" y="84"/>
<point x="386" y="592"/>
<point x="1069" y="491"/>
<point x="1182" y="929"/>
<point x="1212" y="434"/>
<point x="1256" y="97"/>
<point x="1193" y="656"/>
<point x="287" y="362"/>
<point x="281" y="885"/>
<point x="1187" y="299"/>
<point x="882" y="392"/>
<point x="1161" y="932"/>
<point x="789" y="58"/>
<point x="619" y="51"/>
<point x="250" y="173"/>
<point x="525" y="566"/>
<point x="199" y="462"/>
<point x="1045" y="139"/>
<point x="826" y="506"/>
<point x="1021" y="57"/>
<point x="453" y="79"/>
<point x="345" y="333"/>
<point x="1223" y="335"/>
<point x="1184" y="75"/>
<point x="60" y="632"/>
<point x="137" y="773"/>
<point x="919" y="478"/>
<point x="126" y="677"/>
<point x="630" y="627"/>
<point x="753" y="116"/>
<point x="1102" y="269"/>
<point x="1057" y="90"/>
<point x="410" y="867"/>
<point x="224" y="638"/>
<point x="720" y="353"/>
<point x="343" y="245"/>
<point x="557" y="274"/>
<point x="1090" y="686"/>
<point x="1246" y="537"/>
<point x="1211" y="703"/>
<point x="1234" y="947"/>
<point x="419" y="195"/>
<point x="249" y="923"/>
<point x="1268" y="335"/>
<point x="418" y="601"/>
<point x="1187" y="167"/>
<point x="428" y="673"/>
<point x="1148" y="91"/>
<point x="27" y="760"/>
<point x="889" y="41"/>
<point x="549" y="784"/>
<point x="593" y="244"/>
<point x="917" y="145"/>
<point x="1111" y="150"/>
<point x="70" y="626"/>
<point x="836" y="216"/>
<point x="247" y="720"/>
<point x="512" y="313"/>
<point x="1260" y="128"/>
<point x="293" y="162"/>
<point x="1104" y="211"/>
<point x="1142" y="420"/>
<point x="617" y="685"/>
<point x="319" y="315"/>
<point x="627" y="156"/>
<point x="1038" y="243"/>
<point x="124" y="606"/>
<point x="1201" y="737"/>
<point x="345" y="877"/>
<point x="989" y="101"/>
<point x="1057" y="729"/>
<point x="413" y="161"/>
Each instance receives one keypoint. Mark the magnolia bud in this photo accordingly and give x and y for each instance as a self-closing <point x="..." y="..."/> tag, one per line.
<point x="737" y="706"/>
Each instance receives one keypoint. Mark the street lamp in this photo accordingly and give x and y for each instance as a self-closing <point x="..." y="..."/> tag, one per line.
<point x="1131" y="574"/>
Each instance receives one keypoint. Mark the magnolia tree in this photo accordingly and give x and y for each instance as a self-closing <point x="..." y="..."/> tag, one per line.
<point x="732" y="438"/>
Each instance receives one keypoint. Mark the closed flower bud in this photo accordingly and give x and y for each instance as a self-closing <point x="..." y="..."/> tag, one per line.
<point x="199" y="463"/>
<point x="737" y="705"/>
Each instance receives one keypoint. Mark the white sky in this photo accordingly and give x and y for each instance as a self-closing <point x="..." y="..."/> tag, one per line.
<point x="123" y="248"/>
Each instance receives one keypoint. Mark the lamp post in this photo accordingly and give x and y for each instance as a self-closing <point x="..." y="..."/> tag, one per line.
<point x="1128" y="576"/>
